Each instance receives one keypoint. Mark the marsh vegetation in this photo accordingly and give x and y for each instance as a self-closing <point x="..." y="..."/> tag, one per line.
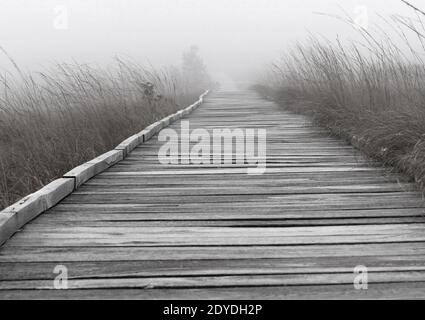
<point x="371" y="93"/>
<point x="56" y="119"/>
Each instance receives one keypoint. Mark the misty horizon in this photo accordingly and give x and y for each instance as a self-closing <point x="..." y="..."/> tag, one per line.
<point x="236" y="38"/>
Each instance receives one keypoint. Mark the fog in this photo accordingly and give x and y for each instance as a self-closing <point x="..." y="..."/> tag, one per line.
<point x="235" y="37"/>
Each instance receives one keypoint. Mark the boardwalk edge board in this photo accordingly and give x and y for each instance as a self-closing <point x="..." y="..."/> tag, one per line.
<point x="88" y="170"/>
<point x="20" y="213"/>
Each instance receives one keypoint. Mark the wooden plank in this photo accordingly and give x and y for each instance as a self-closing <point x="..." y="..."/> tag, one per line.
<point x="129" y="144"/>
<point x="163" y="213"/>
<point x="363" y="200"/>
<point x="255" y="190"/>
<point x="179" y="236"/>
<point x="66" y="254"/>
<point x="218" y="282"/>
<point x="410" y="290"/>
<point x="224" y="267"/>
<point x="88" y="170"/>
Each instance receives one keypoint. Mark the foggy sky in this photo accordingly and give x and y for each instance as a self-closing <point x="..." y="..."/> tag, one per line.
<point x="234" y="36"/>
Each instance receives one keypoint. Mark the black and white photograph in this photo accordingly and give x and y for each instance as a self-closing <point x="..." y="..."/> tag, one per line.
<point x="212" y="155"/>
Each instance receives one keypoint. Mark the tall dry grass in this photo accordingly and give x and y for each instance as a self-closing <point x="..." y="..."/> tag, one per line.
<point x="57" y="119"/>
<point x="371" y="93"/>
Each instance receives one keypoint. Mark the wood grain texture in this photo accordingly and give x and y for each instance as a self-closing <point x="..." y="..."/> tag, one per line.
<point x="144" y="230"/>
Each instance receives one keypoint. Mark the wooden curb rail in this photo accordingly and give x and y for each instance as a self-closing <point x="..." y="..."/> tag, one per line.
<point x="20" y="213"/>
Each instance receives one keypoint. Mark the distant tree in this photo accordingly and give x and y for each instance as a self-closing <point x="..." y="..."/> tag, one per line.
<point x="194" y="69"/>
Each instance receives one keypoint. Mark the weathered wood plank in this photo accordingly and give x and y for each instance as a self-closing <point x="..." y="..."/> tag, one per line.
<point x="409" y="290"/>
<point x="65" y="254"/>
<point x="93" y="167"/>
<point x="141" y="222"/>
<point x="219" y="281"/>
<point x="192" y="236"/>
<point x="225" y="267"/>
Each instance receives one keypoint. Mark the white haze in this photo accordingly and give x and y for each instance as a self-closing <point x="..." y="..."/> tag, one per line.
<point x="236" y="37"/>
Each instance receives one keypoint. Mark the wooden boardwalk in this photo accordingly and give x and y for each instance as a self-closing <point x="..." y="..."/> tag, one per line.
<point x="145" y="230"/>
